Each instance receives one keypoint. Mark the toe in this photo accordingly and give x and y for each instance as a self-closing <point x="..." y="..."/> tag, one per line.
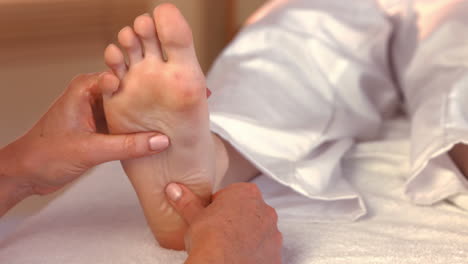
<point x="174" y="33"/>
<point x="108" y="84"/>
<point x="129" y="40"/>
<point x="115" y="60"/>
<point x="146" y="30"/>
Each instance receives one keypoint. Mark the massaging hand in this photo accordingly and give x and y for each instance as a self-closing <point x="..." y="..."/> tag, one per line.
<point x="69" y="139"/>
<point x="237" y="227"/>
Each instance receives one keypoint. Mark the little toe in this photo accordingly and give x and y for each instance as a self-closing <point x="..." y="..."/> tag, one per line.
<point x="146" y="30"/>
<point x="115" y="60"/>
<point x="174" y="33"/>
<point x="129" y="40"/>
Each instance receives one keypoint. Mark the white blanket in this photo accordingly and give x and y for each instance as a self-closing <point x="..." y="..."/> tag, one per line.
<point x="98" y="220"/>
<point x="296" y="88"/>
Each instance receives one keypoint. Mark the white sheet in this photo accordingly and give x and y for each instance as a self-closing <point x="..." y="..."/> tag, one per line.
<point x="296" y="88"/>
<point x="99" y="220"/>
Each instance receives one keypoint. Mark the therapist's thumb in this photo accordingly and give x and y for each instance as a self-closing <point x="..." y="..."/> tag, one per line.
<point x="104" y="148"/>
<point x="184" y="201"/>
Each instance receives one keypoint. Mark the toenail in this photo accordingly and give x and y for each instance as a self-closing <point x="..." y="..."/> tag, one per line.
<point x="159" y="143"/>
<point x="174" y="192"/>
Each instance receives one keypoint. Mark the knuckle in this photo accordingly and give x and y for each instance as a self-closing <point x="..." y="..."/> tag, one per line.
<point x="253" y="189"/>
<point x="184" y="205"/>
<point x="130" y="146"/>
<point x="189" y="208"/>
<point x="273" y="214"/>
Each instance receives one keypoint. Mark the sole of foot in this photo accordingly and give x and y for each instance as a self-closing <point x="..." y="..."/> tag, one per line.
<point x="161" y="88"/>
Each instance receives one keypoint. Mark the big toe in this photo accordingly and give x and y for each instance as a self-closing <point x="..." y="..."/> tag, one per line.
<point x="174" y="33"/>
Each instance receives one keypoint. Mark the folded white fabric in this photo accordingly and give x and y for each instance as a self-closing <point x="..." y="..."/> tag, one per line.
<point x="298" y="87"/>
<point x="394" y="231"/>
<point x="431" y="65"/>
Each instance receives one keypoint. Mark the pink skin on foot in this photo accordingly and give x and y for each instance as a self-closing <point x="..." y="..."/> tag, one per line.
<point x="165" y="95"/>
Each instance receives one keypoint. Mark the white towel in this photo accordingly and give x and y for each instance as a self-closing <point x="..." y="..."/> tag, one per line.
<point x="98" y="220"/>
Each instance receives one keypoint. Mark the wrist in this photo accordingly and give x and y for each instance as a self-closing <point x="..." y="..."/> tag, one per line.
<point x="14" y="186"/>
<point x="11" y="193"/>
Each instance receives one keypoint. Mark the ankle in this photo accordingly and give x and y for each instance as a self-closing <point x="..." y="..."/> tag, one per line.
<point x="221" y="158"/>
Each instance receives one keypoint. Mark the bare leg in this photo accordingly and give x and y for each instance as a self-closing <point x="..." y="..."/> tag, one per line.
<point x="238" y="168"/>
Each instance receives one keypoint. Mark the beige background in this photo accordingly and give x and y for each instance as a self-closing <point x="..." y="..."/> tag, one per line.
<point x="45" y="43"/>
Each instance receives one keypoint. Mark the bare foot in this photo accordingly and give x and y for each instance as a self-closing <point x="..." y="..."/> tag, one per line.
<point x="168" y="96"/>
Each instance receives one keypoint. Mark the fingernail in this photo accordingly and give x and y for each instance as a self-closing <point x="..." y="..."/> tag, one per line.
<point x="159" y="143"/>
<point x="174" y="192"/>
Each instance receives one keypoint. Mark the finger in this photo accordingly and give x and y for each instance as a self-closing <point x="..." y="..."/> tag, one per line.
<point x="184" y="201"/>
<point x="272" y="214"/>
<point x="208" y="92"/>
<point x="84" y="82"/>
<point x="83" y="88"/>
<point x="108" y="84"/>
<point x="104" y="148"/>
<point x="79" y="93"/>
